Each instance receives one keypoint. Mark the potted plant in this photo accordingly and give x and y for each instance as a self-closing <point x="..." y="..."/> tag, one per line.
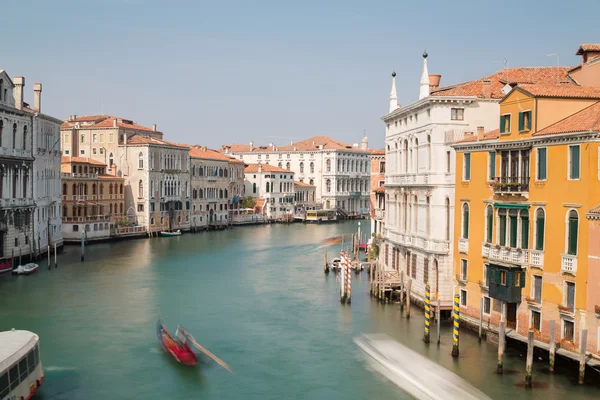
<point x="519" y="250"/>
<point x="563" y="308"/>
<point x="497" y="247"/>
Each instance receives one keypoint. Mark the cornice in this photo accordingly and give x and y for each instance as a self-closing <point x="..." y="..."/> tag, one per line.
<point x="549" y="140"/>
<point x="427" y="101"/>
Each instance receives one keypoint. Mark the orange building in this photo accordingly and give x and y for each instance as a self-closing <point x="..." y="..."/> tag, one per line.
<point x="377" y="192"/>
<point x="90" y="199"/>
<point x="522" y="196"/>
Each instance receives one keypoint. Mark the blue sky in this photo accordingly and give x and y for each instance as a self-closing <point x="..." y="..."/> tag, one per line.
<point x="214" y="72"/>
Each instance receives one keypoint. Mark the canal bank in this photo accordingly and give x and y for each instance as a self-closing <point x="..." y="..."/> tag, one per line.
<point x="256" y="297"/>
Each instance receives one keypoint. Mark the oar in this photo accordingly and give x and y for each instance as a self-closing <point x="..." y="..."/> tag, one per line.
<point x="205" y="351"/>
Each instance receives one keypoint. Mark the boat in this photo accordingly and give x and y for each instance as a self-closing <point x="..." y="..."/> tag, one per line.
<point x="319" y="216"/>
<point x="177" y="348"/>
<point x="26" y="269"/>
<point x="174" y="233"/>
<point x="335" y="263"/>
<point x="415" y="374"/>
<point x="5" y="267"/>
<point x="21" y="372"/>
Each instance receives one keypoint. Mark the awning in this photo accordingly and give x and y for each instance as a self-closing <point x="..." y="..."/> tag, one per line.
<point x="512" y="206"/>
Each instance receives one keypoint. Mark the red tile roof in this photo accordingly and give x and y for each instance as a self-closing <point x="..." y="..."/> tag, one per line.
<point x="534" y="75"/>
<point x="594" y="210"/>
<point x="104" y="122"/>
<point x="377" y="152"/>
<point x="309" y="144"/>
<point x="587" y="47"/>
<point x="495" y="134"/>
<point x="67" y="159"/>
<point x="139" y="139"/>
<point x="574" y="92"/>
<point x="298" y="183"/>
<point x="585" y="120"/>
<point x="265" y="168"/>
<point x="209" y="154"/>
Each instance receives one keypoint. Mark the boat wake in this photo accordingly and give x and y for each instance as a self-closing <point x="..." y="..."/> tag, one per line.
<point x="413" y="373"/>
<point x="54" y="368"/>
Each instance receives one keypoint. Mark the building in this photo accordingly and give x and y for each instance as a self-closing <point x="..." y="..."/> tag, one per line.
<point x="92" y="200"/>
<point x="275" y="186"/>
<point x="214" y="179"/>
<point x="419" y="177"/>
<point x="237" y="187"/>
<point x="339" y="172"/>
<point x="304" y="199"/>
<point x="523" y="248"/>
<point x="47" y="223"/>
<point x="377" y="192"/>
<point x="157" y="188"/>
<point x="17" y="206"/>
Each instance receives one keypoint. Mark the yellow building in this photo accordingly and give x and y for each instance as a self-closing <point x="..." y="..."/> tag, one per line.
<point x="522" y="196"/>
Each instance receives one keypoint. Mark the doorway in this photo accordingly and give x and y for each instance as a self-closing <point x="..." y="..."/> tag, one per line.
<point x="511" y="315"/>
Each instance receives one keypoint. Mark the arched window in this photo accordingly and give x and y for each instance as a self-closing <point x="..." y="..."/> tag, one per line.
<point x="25" y="137"/>
<point x="254" y="187"/>
<point x="328" y="185"/>
<point x="140" y="189"/>
<point x="267" y="187"/>
<point x="1" y="125"/>
<point x="524" y="216"/>
<point x="429" y="152"/>
<point x="312" y="167"/>
<point x="94" y="189"/>
<point x="447" y="206"/>
<point x="428" y="217"/>
<point x="287" y="166"/>
<point x="328" y="165"/>
<point x="141" y="160"/>
<point x="405" y="156"/>
<point x="540" y="219"/>
<point x="572" y="229"/>
<point x="416" y="214"/>
<point x="489" y="223"/>
<point x="110" y="160"/>
<point x="111" y="208"/>
<point x="312" y="182"/>
<point x="416" y="166"/>
<point x="110" y="189"/>
<point x="120" y="208"/>
<point x="64" y="189"/>
<point x="301" y="167"/>
<point x="465" y="221"/>
<point x="14" y="143"/>
<point x="280" y="165"/>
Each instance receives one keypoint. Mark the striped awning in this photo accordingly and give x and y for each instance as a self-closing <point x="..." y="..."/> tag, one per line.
<point x="512" y="206"/>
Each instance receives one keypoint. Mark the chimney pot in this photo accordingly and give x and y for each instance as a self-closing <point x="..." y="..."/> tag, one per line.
<point x="251" y="145"/>
<point x="487" y="89"/>
<point x="480" y="130"/>
<point x="37" y="97"/>
<point x="154" y="127"/>
<point x="114" y="123"/>
<point x="72" y="117"/>
<point x="19" y="82"/>
<point x="434" y="81"/>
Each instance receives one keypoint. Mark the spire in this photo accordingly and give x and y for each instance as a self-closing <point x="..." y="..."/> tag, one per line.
<point x="424" y="92"/>
<point x="364" y="143"/>
<point x="393" y="95"/>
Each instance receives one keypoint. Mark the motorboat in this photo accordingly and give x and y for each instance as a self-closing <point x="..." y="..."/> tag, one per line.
<point x="20" y="365"/>
<point x="174" y="233"/>
<point x="335" y="263"/>
<point x="5" y="267"/>
<point x="26" y="269"/>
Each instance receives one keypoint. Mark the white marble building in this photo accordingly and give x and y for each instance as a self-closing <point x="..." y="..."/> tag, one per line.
<point x="339" y="172"/>
<point x="274" y="185"/>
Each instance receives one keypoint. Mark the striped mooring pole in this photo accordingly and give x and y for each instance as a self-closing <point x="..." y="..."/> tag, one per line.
<point x="349" y="281"/>
<point x="427" y="313"/>
<point x="455" y="329"/>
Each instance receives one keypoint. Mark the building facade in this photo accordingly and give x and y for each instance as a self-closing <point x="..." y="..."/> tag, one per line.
<point x="377" y="192"/>
<point x="339" y="172"/>
<point x="304" y="199"/>
<point x="275" y="186"/>
<point x="420" y="169"/>
<point x="523" y="248"/>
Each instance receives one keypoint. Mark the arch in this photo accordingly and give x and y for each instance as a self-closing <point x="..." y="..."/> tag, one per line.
<point x="141" y="160"/>
<point x="312" y="167"/>
<point x="14" y="143"/>
<point x="328" y="164"/>
<point x="312" y="181"/>
<point x="540" y="220"/>
<point x="489" y="223"/>
<point x="25" y="137"/>
<point x="328" y="185"/>
<point x="572" y="232"/>
<point x="301" y="166"/>
<point x="465" y="221"/>
<point x="110" y="160"/>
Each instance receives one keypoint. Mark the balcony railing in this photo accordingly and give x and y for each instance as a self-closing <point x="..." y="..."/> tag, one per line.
<point x="536" y="258"/>
<point x="463" y="245"/>
<point x="507" y="255"/>
<point x="379" y="214"/>
<point x="80" y="197"/>
<point x="433" y="245"/>
<point x="485" y="249"/>
<point x="415" y="179"/>
<point x="568" y="264"/>
<point x="511" y="184"/>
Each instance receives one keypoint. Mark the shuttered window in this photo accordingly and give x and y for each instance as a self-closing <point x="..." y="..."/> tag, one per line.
<point x="521" y="121"/>
<point x="513" y="231"/>
<point x="467" y="167"/>
<point x="465" y="230"/>
<point x="570" y="295"/>
<point x="539" y="229"/>
<point x="492" y="166"/>
<point x="524" y="230"/>
<point x="574" y="162"/>
<point x="502" y="239"/>
<point x="524" y="121"/>
<point x="573" y="228"/>
<point x="537" y="289"/>
<point x="489" y="224"/>
<point x="542" y="172"/>
<point x="502" y="123"/>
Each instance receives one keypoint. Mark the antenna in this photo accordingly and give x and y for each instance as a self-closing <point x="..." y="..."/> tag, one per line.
<point x="505" y="62"/>
<point x="557" y="64"/>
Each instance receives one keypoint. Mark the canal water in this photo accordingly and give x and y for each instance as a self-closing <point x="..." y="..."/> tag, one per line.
<point x="254" y="296"/>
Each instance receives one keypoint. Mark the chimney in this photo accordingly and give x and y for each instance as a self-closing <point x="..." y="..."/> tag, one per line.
<point x="154" y="127"/>
<point x="37" y="97"/>
<point x="480" y="130"/>
<point x="19" y="82"/>
<point x="487" y="89"/>
<point x="115" y="123"/>
<point x="72" y="117"/>
<point x="251" y="145"/>
<point x="124" y="139"/>
<point x="434" y="81"/>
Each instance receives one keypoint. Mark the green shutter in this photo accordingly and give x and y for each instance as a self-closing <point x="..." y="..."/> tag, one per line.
<point x="523" y="276"/>
<point x="465" y="223"/>
<point x="574" y="162"/>
<point x="539" y="234"/>
<point x="490" y="275"/>
<point x="529" y="120"/>
<point x="502" y="123"/>
<point x="521" y="121"/>
<point x="573" y="236"/>
<point x="467" y="166"/>
<point x="524" y="232"/>
<point x="492" y="165"/>
<point x="509" y="278"/>
<point x="513" y="231"/>
<point x="541" y="172"/>
<point x="502" y="240"/>
<point x="497" y="276"/>
<point x="490" y="226"/>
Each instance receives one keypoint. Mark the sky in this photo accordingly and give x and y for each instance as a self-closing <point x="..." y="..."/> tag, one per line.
<point x="271" y="71"/>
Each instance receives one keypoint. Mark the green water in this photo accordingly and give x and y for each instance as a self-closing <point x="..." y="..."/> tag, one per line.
<point x="256" y="297"/>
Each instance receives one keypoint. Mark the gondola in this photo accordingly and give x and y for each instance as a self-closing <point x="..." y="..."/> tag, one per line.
<point x="174" y="346"/>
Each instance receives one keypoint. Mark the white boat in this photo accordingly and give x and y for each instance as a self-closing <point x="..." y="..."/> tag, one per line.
<point x="175" y="233"/>
<point x="21" y="372"/>
<point x="25" y="269"/>
<point x="414" y="373"/>
<point x="335" y="263"/>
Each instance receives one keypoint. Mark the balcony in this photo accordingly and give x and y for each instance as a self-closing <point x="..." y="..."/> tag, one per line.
<point x="78" y="175"/>
<point x="379" y="214"/>
<point x="508" y="255"/>
<point x="568" y="264"/>
<point x="463" y="245"/>
<point x="407" y="179"/>
<point x="485" y="249"/>
<point x="431" y="245"/>
<point x="509" y="294"/>
<point x="536" y="258"/>
<point x="510" y="185"/>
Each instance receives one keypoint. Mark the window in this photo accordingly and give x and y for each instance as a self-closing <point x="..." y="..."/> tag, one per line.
<point x="502" y="227"/>
<point x="140" y="207"/>
<point x="574" y="162"/>
<point x="489" y="223"/>
<point x="328" y="185"/>
<point x="570" y="295"/>
<point x="140" y="189"/>
<point x="110" y="160"/>
<point x="254" y="187"/>
<point x="487" y="305"/>
<point x="287" y="166"/>
<point x="312" y="167"/>
<point x="457" y="114"/>
<point x="463" y="269"/>
<point x="328" y="162"/>
<point x="524" y="214"/>
<point x="568" y="330"/>
<point x="502" y="278"/>
<point x="95" y="138"/>
<point x="572" y="228"/>
<point x="505" y="123"/>
<point x="537" y="289"/>
<point x="448" y="161"/>
<point x="301" y="167"/>
<point x="539" y="229"/>
<point x="111" y="137"/>
<point x="94" y="150"/>
<point x="513" y="228"/>
<point x="542" y="169"/>
<point x="82" y="152"/>
<point x="463" y="297"/>
<point x="524" y="121"/>
<point x="267" y="187"/>
<point x="536" y="320"/>
<point x="467" y="167"/>
<point x="447" y="206"/>
<point x="491" y="165"/>
<point x="82" y="138"/>
<point x="465" y="221"/>
<point x="75" y="228"/>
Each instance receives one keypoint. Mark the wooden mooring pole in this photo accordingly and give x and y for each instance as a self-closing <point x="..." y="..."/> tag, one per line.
<point x="582" y="356"/>
<point x="529" y="361"/>
<point x="552" y="351"/>
<point x="326" y="263"/>
<point x="55" y="258"/>
<point x="427" y="313"/>
<point x="455" y="321"/>
<point x="439" y="319"/>
<point x="401" y="290"/>
<point x="480" y="318"/>
<point x="408" y="298"/>
<point x="501" y="339"/>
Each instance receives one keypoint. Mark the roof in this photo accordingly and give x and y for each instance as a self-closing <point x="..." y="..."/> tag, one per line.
<point x="585" y="120"/>
<point x="310" y="144"/>
<point x="139" y="139"/>
<point x="595" y="210"/>
<point x="14" y="345"/>
<point x="209" y="154"/>
<point x="265" y="168"/>
<point x="104" y="122"/>
<point x="568" y="91"/>
<point x="377" y="152"/>
<point x="495" y="134"/>
<point x="67" y="159"/>
<point x="533" y="75"/>
<point x="298" y="183"/>
<point x="587" y="47"/>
